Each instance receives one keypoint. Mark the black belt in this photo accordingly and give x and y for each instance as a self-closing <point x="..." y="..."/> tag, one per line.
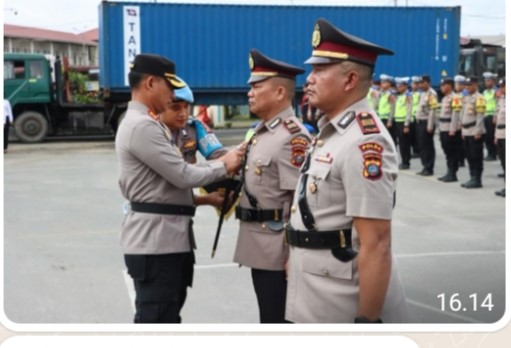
<point x="468" y="125"/>
<point x="159" y="208"/>
<point x="444" y="119"/>
<point x="319" y="239"/>
<point x="259" y="215"/>
<point x="501" y="126"/>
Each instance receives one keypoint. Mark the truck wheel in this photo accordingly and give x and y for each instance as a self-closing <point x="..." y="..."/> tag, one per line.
<point x="31" y="127"/>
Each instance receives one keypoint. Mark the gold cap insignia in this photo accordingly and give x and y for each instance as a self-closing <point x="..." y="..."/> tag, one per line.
<point x="250" y="62"/>
<point x="316" y="36"/>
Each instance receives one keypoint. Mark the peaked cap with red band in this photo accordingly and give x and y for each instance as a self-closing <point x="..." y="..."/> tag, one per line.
<point x="332" y="45"/>
<point x="262" y="68"/>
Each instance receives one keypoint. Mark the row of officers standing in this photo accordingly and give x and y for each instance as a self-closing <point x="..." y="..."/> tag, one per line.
<point x="315" y="213"/>
<point x="467" y="120"/>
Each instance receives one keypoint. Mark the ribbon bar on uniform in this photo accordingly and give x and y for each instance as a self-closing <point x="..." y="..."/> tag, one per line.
<point x="258" y="215"/>
<point x="160" y="208"/>
<point x="314" y="240"/>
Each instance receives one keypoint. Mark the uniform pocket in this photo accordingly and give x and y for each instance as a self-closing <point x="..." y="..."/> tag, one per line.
<point x="323" y="263"/>
<point x="318" y="189"/>
<point x="260" y="170"/>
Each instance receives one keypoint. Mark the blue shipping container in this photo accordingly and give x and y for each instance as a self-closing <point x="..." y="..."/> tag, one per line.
<point x="210" y="43"/>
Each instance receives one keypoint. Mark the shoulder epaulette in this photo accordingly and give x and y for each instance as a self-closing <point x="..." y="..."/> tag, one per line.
<point x="367" y="123"/>
<point x="291" y="126"/>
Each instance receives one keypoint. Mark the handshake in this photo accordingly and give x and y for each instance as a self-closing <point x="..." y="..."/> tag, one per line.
<point x="233" y="158"/>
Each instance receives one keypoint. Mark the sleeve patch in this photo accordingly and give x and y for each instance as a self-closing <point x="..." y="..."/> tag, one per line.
<point x="367" y="123"/>
<point x="291" y="126"/>
<point x="299" y="146"/>
<point x="371" y="147"/>
<point x="372" y="159"/>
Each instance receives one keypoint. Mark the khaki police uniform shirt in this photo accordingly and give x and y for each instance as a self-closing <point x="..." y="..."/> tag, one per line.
<point x="271" y="173"/>
<point x="500" y="133"/>
<point x="152" y="170"/>
<point x="448" y="123"/>
<point x="353" y="172"/>
<point x="472" y="115"/>
<point x="428" y="103"/>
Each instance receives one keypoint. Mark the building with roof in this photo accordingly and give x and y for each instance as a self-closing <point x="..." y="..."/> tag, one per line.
<point x="81" y="49"/>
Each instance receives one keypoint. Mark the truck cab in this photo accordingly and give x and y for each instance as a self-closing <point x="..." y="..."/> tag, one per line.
<point x="476" y="58"/>
<point x="39" y="91"/>
<point x="28" y="87"/>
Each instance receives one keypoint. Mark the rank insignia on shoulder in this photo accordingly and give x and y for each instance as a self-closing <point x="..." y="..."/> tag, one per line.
<point x="346" y="119"/>
<point x="291" y="126"/>
<point x="367" y="123"/>
<point x="275" y="123"/>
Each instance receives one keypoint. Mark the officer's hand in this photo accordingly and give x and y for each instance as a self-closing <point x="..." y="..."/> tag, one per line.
<point x="477" y="137"/>
<point x="216" y="199"/>
<point x="451" y="134"/>
<point x="242" y="147"/>
<point x="389" y="124"/>
<point x="232" y="160"/>
<point x="430" y="130"/>
<point x="495" y="141"/>
<point x="406" y="130"/>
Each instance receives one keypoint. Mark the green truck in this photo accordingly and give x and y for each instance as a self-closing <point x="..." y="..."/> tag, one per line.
<point x="39" y="91"/>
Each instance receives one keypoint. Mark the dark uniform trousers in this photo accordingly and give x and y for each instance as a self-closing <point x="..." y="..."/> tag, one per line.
<point x="270" y="288"/>
<point x="413" y="137"/>
<point x="451" y="146"/>
<point x="7" y="126"/>
<point x="161" y="283"/>
<point x="490" y="136"/>
<point x="474" y="150"/>
<point x="404" y="142"/>
<point x="426" y="145"/>
<point x="391" y="130"/>
<point x="501" y="152"/>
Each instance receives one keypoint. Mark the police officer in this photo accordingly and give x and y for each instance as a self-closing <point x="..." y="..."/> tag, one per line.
<point x="460" y="93"/>
<point x="310" y="115"/>
<point x="344" y="197"/>
<point x="401" y="119"/>
<point x="490" y="96"/>
<point x="450" y="130"/>
<point x="374" y="93"/>
<point x="385" y="104"/>
<point x="416" y="93"/>
<point x="190" y="135"/>
<point x="500" y="129"/>
<point x="273" y="158"/>
<point x="154" y="177"/>
<point x="428" y="103"/>
<point x="473" y="131"/>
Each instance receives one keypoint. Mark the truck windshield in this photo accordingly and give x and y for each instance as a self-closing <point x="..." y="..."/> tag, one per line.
<point x="14" y="70"/>
<point x="466" y="64"/>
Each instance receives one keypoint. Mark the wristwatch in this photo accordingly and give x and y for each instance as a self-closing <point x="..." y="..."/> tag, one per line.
<point x="365" y="320"/>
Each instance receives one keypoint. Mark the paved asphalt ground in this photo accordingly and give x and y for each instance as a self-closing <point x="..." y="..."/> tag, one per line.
<point x="63" y="263"/>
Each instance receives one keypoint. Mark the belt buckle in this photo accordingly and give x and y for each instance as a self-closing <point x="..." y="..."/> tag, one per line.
<point x="247" y="215"/>
<point x="275" y="215"/>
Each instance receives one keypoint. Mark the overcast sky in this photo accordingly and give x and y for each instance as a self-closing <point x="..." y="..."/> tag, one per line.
<point x="478" y="17"/>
